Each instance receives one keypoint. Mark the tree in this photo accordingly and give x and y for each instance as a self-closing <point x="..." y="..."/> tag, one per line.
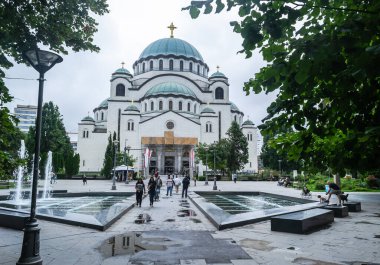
<point x="72" y="164"/>
<point x="53" y="138"/>
<point x="237" y="148"/>
<point x="108" y="159"/>
<point x="323" y="61"/>
<point x="58" y="25"/>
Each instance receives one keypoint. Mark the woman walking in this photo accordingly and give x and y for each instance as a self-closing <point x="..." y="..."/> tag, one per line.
<point x="140" y="189"/>
<point x="151" y="190"/>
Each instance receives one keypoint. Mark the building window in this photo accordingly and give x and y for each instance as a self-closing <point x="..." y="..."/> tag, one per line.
<point x="84" y="163"/>
<point x="235" y="118"/>
<point x="161" y="65"/>
<point x="180" y="105"/>
<point x="170" y="105"/>
<point x="170" y="125"/>
<point x="250" y="164"/>
<point x="120" y="90"/>
<point x="198" y="70"/>
<point x="143" y="67"/>
<point x="146" y="107"/>
<point x="151" y="65"/>
<point x="195" y="108"/>
<point x="249" y="137"/>
<point x="188" y="106"/>
<point x="97" y="116"/>
<point x="152" y="106"/>
<point x="191" y="67"/>
<point x="170" y="64"/>
<point x="219" y="93"/>
<point x="85" y="134"/>
<point x="102" y="115"/>
<point x="131" y="125"/>
<point x="181" y="66"/>
<point x="208" y="127"/>
<point x="160" y="105"/>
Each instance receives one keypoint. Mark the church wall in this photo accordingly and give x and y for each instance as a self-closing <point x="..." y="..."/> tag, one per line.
<point x="131" y="138"/>
<point x="207" y="137"/>
<point x="225" y="89"/>
<point x="252" y="164"/>
<point x="117" y="81"/>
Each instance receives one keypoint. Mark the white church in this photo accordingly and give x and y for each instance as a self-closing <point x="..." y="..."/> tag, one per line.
<point x="168" y="106"/>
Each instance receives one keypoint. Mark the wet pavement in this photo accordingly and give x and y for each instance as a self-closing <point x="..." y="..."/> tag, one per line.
<point x="160" y="236"/>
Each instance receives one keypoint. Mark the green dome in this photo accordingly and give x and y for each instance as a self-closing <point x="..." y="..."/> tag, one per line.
<point x="122" y="71"/>
<point x="88" y="118"/>
<point x="171" y="46"/>
<point x="207" y="110"/>
<point x="132" y="108"/>
<point x="233" y="106"/>
<point x="248" y="122"/>
<point x="170" y="88"/>
<point x="218" y="74"/>
<point x="104" y="104"/>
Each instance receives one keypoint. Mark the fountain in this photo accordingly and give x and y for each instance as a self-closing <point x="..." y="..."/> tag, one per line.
<point x="20" y="174"/>
<point x="48" y="174"/>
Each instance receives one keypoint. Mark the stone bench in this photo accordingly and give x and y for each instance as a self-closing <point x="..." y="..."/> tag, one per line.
<point x="339" y="211"/>
<point x="353" y="206"/>
<point x="12" y="219"/>
<point x="302" y="222"/>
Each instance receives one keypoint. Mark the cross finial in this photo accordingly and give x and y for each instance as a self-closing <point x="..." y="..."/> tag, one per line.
<point x="172" y="28"/>
<point x="132" y="101"/>
<point x="122" y="64"/>
<point x="88" y="113"/>
<point x="217" y="68"/>
<point x="248" y="117"/>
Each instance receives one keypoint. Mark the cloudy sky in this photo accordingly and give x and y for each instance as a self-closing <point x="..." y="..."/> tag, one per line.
<point x="81" y="81"/>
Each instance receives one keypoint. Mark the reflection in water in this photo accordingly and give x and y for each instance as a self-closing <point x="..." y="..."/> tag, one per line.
<point x="184" y="213"/>
<point x="143" y="218"/>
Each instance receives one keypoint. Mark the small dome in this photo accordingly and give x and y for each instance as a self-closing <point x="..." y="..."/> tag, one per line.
<point x="248" y="122"/>
<point x="121" y="72"/>
<point x="171" y="46"/>
<point x="88" y="118"/>
<point x="233" y="106"/>
<point x="207" y="110"/>
<point x="170" y="88"/>
<point x="218" y="74"/>
<point x="104" y="104"/>
<point x="132" y="108"/>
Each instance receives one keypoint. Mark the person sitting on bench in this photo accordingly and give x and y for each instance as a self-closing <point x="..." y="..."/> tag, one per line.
<point x="333" y="189"/>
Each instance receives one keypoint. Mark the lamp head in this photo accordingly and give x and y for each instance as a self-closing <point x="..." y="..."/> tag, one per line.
<point x="41" y="60"/>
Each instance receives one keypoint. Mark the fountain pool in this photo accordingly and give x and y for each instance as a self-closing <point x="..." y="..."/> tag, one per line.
<point x="93" y="210"/>
<point x="231" y="209"/>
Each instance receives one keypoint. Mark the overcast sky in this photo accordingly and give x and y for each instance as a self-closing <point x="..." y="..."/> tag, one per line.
<point x="81" y="81"/>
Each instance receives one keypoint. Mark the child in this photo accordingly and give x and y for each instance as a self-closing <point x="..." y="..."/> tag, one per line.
<point x="322" y="199"/>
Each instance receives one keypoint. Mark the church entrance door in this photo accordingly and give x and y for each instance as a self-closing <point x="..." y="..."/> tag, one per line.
<point x="169" y="165"/>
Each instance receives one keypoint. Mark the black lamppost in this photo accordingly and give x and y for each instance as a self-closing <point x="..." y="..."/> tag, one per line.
<point x="206" y="182"/>
<point x="214" y="187"/>
<point x="127" y="148"/>
<point x="116" y="142"/>
<point x="42" y="61"/>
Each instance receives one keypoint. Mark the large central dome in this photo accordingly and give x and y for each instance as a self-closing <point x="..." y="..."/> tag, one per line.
<point x="171" y="46"/>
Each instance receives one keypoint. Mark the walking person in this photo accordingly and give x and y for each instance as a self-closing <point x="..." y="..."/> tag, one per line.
<point x="84" y="178"/>
<point x="185" y="185"/>
<point x="177" y="183"/>
<point x="169" y="186"/>
<point x="151" y="190"/>
<point x="140" y="190"/>
<point x="234" y="177"/>
<point x="158" y="188"/>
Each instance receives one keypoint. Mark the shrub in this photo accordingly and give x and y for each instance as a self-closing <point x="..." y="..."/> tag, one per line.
<point x="372" y="181"/>
<point x="320" y="186"/>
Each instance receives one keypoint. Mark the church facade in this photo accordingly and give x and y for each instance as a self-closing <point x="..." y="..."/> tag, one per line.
<point x="168" y="106"/>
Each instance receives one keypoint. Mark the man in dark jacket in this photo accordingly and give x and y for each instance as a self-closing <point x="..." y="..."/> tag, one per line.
<point x="185" y="185"/>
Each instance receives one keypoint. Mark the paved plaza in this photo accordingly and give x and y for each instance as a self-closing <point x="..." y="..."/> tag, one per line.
<point x="170" y="238"/>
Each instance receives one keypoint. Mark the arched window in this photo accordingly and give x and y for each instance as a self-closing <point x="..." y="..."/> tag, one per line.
<point x="235" y="118"/>
<point x="180" y="105"/>
<point x="97" y="116"/>
<point x="102" y="116"/>
<point x="219" y="93"/>
<point x="131" y="125"/>
<point x="146" y="107"/>
<point x="152" y="106"/>
<point x="181" y="66"/>
<point x="120" y="90"/>
<point x="204" y="71"/>
<point x="161" y="65"/>
<point x="191" y="67"/>
<point x="143" y="67"/>
<point x="86" y="134"/>
<point x="188" y="106"/>
<point x="151" y="65"/>
<point x="198" y="70"/>
<point x="170" y="105"/>
<point x="195" y="108"/>
<point x="249" y="136"/>
<point x="170" y="64"/>
<point x="160" y="105"/>
<point x="208" y="127"/>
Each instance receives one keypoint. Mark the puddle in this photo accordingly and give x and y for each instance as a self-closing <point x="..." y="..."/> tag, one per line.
<point x="185" y="205"/>
<point x="169" y="220"/>
<point x="186" y="212"/>
<point x="377" y="236"/>
<point x="197" y="221"/>
<point x="256" y="244"/>
<point x="306" y="261"/>
<point x="143" y="218"/>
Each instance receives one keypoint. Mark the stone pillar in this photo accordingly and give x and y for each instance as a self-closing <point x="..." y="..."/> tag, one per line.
<point x="179" y="159"/>
<point x="159" y="160"/>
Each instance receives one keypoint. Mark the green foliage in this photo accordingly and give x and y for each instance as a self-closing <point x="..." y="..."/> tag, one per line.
<point x="108" y="158"/>
<point x="72" y="164"/>
<point x="323" y="61"/>
<point x="58" y="25"/>
<point x="237" y="148"/>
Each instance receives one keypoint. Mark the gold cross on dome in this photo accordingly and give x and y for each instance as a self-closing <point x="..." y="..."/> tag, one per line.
<point x="172" y="28"/>
<point x="217" y="68"/>
<point x="122" y="64"/>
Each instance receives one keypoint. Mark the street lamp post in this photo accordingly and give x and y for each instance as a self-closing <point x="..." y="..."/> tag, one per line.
<point x="127" y="148"/>
<point x="116" y="142"/>
<point x="279" y="167"/>
<point x="214" y="187"/>
<point x="42" y="61"/>
<point x="206" y="182"/>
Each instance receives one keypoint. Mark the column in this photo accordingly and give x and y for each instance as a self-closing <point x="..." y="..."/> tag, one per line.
<point x="159" y="160"/>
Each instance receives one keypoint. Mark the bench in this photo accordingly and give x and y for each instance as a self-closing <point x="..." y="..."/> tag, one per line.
<point x="339" y="211"/>
<point x="12" y="219"/>
<point x="353" y="206"/>
<point x="302" y="222"/>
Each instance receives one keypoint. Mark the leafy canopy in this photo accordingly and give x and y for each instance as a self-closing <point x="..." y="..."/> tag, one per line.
<point x="323" y="61"/>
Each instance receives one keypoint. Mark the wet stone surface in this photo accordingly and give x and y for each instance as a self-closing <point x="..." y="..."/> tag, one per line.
<point x="186" y="212"/>
<point x="143" y="218"/>
<point x="195" y="220"/>
<point x="169" y="220"/>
